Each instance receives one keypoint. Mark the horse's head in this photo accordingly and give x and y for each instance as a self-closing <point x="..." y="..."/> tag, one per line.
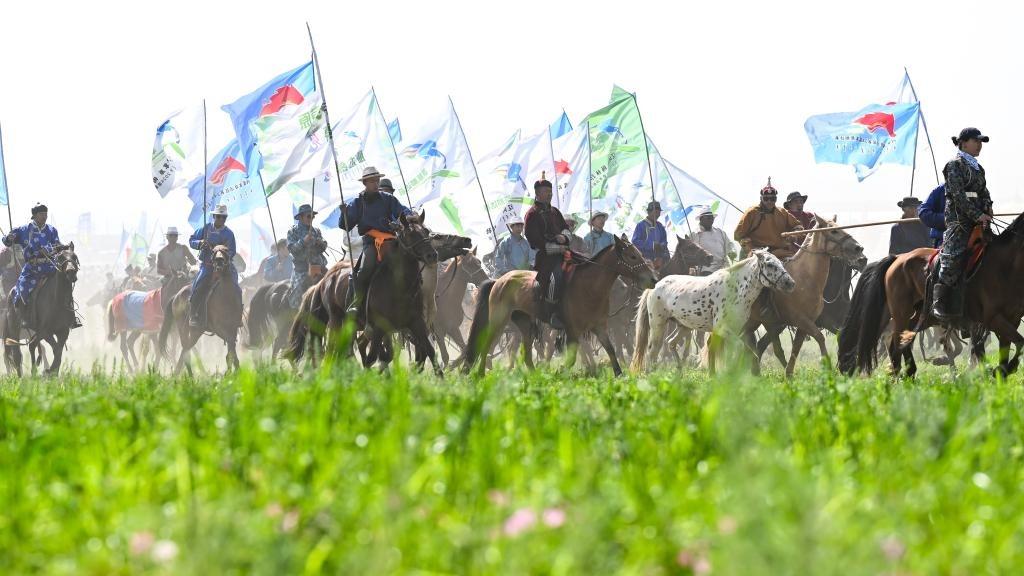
<point x="220" y="259"/>
<point x="690" y="253"/>
<point x="450" y="245"/>
<point x="629" y="262"/>
<point x="772" y="273"/>
<point x="67" y="262"/>
<point x="414" y="238"/>
<point x="837" y="244"/>
<point x="472" y="268"/>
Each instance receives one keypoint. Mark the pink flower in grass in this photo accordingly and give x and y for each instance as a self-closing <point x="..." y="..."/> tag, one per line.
<point x="520" y="521"/>
<point x="141" y="543"/>
<point x="553" y="517"/>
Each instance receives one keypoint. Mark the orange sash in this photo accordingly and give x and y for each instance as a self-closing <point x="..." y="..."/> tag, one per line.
<point x="379" y="238"/>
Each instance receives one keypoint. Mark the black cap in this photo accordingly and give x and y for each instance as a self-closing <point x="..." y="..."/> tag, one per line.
<point x="39" y="208"/>
<point x="970" y="134"/>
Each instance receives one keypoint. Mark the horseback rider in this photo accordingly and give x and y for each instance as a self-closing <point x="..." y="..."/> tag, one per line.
<point x="549" y="235"/>
<point x="513" y="252"/>
<point x="371" y="213"/>
<point x="597" y="239"/>
<point x="278" y="266"/>
<point x="968" y="204"/>
<point x="173" y="259"/>
<point x="794" y="204"/>
<point x="714" y="240"/>
<point x="205" y="240"/>
<point x="762" y="226"/>
<point x="650" y="237"/>
<point x="933" y="214"/>
<point x="38" y="241"/>
<point x="907" y="236"/>
<point x="307" y="247"/>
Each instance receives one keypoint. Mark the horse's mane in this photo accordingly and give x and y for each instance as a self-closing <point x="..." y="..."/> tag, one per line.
<point x="584" y="261"/>
<point x="1015" y="231"/>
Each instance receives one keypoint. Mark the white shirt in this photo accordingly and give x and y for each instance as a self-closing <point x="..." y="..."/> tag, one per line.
<point x="717" y="243"/>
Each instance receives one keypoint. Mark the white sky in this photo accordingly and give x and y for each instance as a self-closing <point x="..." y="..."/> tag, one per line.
<point x="724" y="87"/>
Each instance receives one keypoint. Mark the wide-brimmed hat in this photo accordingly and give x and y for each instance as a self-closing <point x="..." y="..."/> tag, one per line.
<point x="171" y="231"/>
<point x="597" y="215"/>
<point x="385" y="185"/>
<point x="706" y="212"/>
<point x="370" y="172"/>
<point x="220" y="210"/>
<point x="794" y="196"/>
<point x="909" y="201"/>
<point x="305" y="209"/>
<point x="653" y="205"/>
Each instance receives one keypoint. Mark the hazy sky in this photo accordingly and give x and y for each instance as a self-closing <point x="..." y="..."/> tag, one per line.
<point x="724" y="87"/>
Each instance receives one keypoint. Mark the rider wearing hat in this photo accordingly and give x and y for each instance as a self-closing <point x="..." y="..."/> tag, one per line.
<point x="907" y="236"/>
<point x="278" y="266"/>
<point x="548" y="234"/>
<point x="650" y="236"/>
<point x="307" y="246"/>
<point x="597" y="239"/>
<point x="762" y="226"/>
<point x="794" y="204"/>
<point x="173" y="258"/>
<point x="968" y="204"/>
<point x="39" y="241"/>
<point x="204" y="240"/>
<point x="371" y="213"/>
<point x="714" y="240"/>
<point x="513" y="252"/>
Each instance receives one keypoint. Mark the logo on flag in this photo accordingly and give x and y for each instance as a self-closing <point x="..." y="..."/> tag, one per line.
<point x="878" y="120"/>
<point x="226" y="166"/>
<point x="281" y="97"/>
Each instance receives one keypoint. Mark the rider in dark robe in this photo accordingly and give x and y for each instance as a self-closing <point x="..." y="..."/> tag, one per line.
<point x="548" y="234"/>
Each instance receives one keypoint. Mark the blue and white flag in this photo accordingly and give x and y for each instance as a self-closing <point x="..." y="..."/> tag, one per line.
<point x="177" y="150"/>
<point x="232" y="180"/>
<point x="877" y="134"/>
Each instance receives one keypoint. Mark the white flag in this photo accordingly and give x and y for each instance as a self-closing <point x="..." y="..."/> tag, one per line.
<point x="293" y="143"/>
<point x="178" y="150"/>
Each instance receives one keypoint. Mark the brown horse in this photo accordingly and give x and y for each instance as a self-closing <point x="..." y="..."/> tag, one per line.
<point x="801" y="307"/>
<point x="317" y="326"/>
<point x="584" y="305"/>
<point x="129" y="336"/>
<point x="223" y="317"/>
<point x="451" y="289"/>
<point x="896" y="287"/>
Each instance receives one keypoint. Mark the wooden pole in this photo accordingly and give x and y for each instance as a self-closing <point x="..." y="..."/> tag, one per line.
<point x="866" y="224"/>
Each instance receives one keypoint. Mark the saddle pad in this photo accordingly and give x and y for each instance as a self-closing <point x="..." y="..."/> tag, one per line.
<point x="379" y="238"/>
<point x="135" y="310"/>
<point x="976" y="246"/>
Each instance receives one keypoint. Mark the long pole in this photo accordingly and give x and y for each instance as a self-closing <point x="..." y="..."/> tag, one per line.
<point x="330" y="142"/>
<point x="7" y="191"/>
<point x="927" y="136"/>
<point x="866" y="224"/>
<point x="205" y="178"/>
<point x="494" y="232"/>
<point x="269" y="213"/>
<point x="590" y="177"/>
<point x="387" y="130"/>
<point x="913" y="166"/>
<point x="554" y="167"/>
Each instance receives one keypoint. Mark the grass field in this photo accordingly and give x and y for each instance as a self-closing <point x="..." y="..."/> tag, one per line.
<point x="350" y="472"/>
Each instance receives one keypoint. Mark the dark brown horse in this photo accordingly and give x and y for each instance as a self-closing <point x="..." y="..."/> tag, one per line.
<point x="584" y="305"/>
<point x="318" y="323"/>
<point x="451" y="290"/>
<point x="223" y="316"/>
<point x="129" y="336"/>
<point x="896" y="287"/>
<point x="50" y="318"/>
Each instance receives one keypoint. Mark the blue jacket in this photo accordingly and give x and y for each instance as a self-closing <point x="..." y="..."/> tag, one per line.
<point x="375" y="215"/>
<point x="214" y="237"/>
<point x="645" y="236"/>
<point x="933" y="213"/>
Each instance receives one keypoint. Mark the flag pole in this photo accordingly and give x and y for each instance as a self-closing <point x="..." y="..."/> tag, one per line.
<point x="494" y="231"/>
<point x="913" y="165"/>
<point x="270" y="214"/>
<point x="7" y="191"/>
<point x="554" y="169"/>
<point x="205" y="178"/>
<point x="590" y="178"/>
<point x="927" y="136"/>
<point x="330" y="142"/>
<point x="401" y="174"/>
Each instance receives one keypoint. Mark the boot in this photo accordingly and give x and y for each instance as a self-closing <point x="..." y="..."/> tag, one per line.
<point x="195" y="317"/>
<point x="942" y="308"/>
<point x="74" y="321"/>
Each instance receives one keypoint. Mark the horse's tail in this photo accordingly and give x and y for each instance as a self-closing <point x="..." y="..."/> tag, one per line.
<point x="478" y="337"/>
<point x="862" y="328"/>
<point x="299" y="331"/>
<point x="258" y="320"/>
<point x="643" y="331"/>
<point x="165" y="326"/>
<point x="111" y="332"/>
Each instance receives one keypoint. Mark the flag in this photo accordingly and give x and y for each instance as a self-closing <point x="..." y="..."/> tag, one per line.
<point x="561" y="127"/>
<point x="684" y="197"/>
<point x="259" y="242"/>
<point x="874" y="135"/>
<point x="395" y="129"/>
<point x="361" y="140"/>
<point x="231" y="180"/>
<point x="138" y="251"/>
<point x="617" y="150"/>
<point x="177" y="150"/>
<point x="289" y="88"/>
<point x="4" y="199"/>
<point x="571" y="155"/>
<point x="84" y="227"/>
<point x="903" y="94"/>
<point x="504" y="189"/>
<point x="436" y="161"/>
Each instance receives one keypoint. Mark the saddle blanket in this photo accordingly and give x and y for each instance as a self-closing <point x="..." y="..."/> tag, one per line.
<point x="136" y="310"/>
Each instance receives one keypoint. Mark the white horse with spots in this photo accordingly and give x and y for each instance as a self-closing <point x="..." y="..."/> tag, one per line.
<point x="718" y="304"/>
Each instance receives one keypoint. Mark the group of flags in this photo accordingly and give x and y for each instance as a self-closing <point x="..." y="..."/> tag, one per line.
<point x="606" y="163"/>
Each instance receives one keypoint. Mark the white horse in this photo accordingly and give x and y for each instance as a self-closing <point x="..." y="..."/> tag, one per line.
<point x="719" y="303"/>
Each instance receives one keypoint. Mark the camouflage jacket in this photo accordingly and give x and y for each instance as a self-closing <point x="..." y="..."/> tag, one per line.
<point x="967" y="196"/>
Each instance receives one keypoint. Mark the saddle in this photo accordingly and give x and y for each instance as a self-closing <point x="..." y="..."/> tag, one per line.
<point x="976" y="246"/>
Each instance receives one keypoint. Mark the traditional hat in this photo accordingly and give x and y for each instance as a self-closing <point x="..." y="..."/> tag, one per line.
<point x="542" y="183"/>
<point x="370" y="172"/>
<point x="305" y="209"/>
<point x="769" y="190"/>
<point x="39" y="208"/>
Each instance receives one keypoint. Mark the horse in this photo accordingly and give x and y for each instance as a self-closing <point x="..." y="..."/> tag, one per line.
<point x="896" y="287"/>
<point x="719" y="303"/>
<point x="48" y="312"/>
<point x="452" y="282"/>
<point x="269" y="317"/>
<point x="448" y="246"/>
<point x="321" y="314"/>
<point x="394" y="300"/>
<point x="802" y="307"/>
<point x="130" y="307"/>
<point x="584" y="305"/>
<point x="223" y="316"/>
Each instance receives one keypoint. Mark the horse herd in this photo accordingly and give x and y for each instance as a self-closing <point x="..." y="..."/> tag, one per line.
<point x="613" y="298"/>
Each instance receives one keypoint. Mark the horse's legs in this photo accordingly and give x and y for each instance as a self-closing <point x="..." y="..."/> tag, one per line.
<point x="188" y="340"/>
<point x="525" y="326"/>
<point x="496" y="322"/>
<point x="798" y="343"/>
<point x="602" y="336"/>
<point x="231" y="360"/>
<point x="56" y="342"/>
<point x="134" y="359"/>
<point x="657" y="326"/>
<point x="442" y="346"/>
<point x="714" y="345"/>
